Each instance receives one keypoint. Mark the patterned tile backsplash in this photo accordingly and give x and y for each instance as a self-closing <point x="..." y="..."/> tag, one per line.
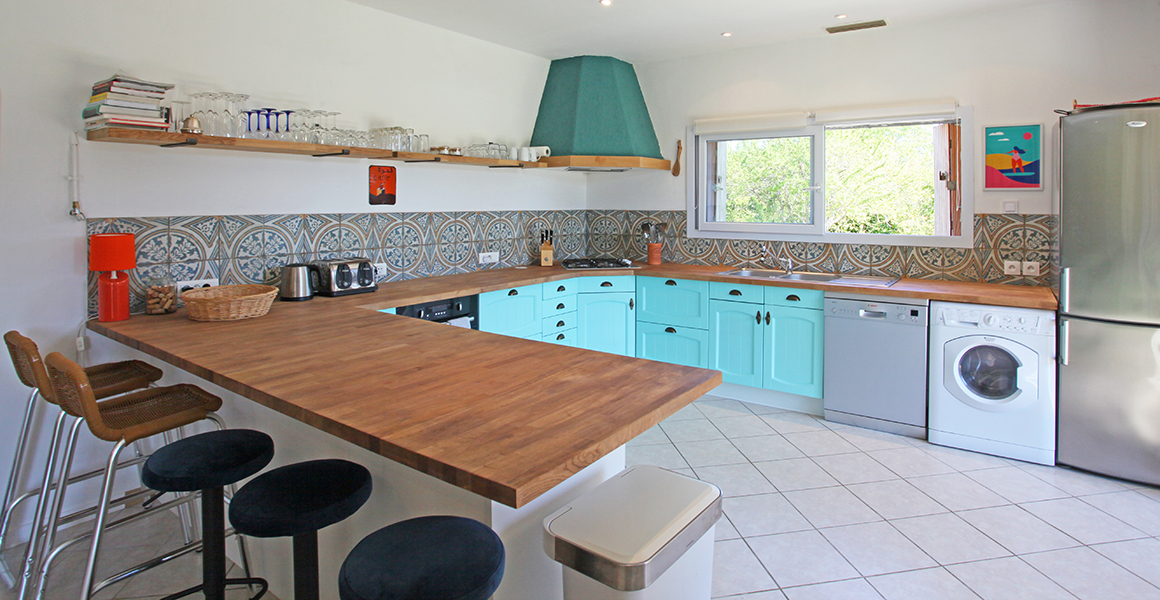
<point x="253" y="248"/>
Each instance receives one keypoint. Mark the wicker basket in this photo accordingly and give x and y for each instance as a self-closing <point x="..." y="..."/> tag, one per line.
<point x="229" y="302"/>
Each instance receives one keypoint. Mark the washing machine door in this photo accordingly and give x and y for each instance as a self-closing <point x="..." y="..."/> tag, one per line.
<point x="991" y="373"/>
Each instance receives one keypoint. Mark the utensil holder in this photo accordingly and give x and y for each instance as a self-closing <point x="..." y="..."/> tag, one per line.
<point x="654" y="253"/>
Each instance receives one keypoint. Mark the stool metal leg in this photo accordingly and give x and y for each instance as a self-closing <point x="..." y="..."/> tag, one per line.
<point x="213" y="545"/>
<point x="58" y="501"/>
<point x="32" y="555"/>
<point x="99" y="526"/>
<point x="306" y="566"/>
<point x="17" y="462"/>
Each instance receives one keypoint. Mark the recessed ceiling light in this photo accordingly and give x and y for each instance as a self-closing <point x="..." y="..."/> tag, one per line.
<point x="606" y="2"/>
<point x="726" y="34"/>
<point x="840" y="16"/>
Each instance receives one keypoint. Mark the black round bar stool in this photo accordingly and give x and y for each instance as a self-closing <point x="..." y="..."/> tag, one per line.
<point x="296" y="501"/>
<point x="208" y="462"/>
<point x="425" y="558"/>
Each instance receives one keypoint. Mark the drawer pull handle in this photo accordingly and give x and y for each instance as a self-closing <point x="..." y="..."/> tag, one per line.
<point x="514" y="293"/>
<point x="560" y="306"/>
<point x="670" y="282"/>
<point x="734" y="292"/>
<point x="560" y="337"/>
<point x="767" y="317"/>
<point x="670" y="330"/>
<point x="631" y="303"/>
<point x="606" y="284"/>
<point x="759" y="317"/>
<point x="793" y="298"/>
<point x="559" y="324"/>
<point x="560" y="289"/>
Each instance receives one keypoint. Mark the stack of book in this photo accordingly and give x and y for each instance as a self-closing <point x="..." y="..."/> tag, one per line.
<point x="121" y="101"/>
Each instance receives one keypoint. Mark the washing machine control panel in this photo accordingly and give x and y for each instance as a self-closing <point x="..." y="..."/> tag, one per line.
<point x="997" y="320"/>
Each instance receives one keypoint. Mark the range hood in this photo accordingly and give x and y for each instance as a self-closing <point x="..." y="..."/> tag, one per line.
<point x="593" y="117"/>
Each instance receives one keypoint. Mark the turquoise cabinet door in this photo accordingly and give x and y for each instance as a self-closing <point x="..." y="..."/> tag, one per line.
<point x="676" y="302"/>
<point x="735" y="341"/>
<point x="606" y="322"/>
<point x="793" y="350"/>
<point x="678" y="345"/>
<point x="517" y="312"/>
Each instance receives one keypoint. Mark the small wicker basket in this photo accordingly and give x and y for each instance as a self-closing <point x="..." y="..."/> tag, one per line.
<point x="229" y="302"/>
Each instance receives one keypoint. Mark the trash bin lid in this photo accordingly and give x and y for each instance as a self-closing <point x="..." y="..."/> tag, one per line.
<point x="628" y="530"/>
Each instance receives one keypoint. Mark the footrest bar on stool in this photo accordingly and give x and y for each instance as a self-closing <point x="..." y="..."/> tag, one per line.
<point x="156" y="561"/>
<point x="243" y="581"/>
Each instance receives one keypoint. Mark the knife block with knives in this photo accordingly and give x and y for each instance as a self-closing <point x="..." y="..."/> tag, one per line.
<point x="546" y="248"/>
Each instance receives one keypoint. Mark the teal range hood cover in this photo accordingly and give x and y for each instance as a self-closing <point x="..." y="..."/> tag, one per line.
<point x="593" y="106"/>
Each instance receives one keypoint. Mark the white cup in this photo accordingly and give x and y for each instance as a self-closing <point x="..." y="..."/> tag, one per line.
<point x="514" y="153"/>
<point x="526" y="154"/>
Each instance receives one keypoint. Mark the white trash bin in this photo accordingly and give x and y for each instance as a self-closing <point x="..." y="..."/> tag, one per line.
<point x="646" y="533"/>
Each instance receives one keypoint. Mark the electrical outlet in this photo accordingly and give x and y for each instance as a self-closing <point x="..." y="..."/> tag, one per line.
<point x="1012" y="267"/>
<point x="1011" y="206"/>
<point x="380" y="271"/>
<point x="1031" y="268"/>
<point x="487" y="258"/>
<point x="185" y="286"/>
<point x="81" y="343"/>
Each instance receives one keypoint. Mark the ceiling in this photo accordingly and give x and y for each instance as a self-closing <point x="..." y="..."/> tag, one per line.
<point x="644" y="31"/>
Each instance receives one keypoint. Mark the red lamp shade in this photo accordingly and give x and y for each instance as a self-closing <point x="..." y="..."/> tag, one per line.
<point x="112" y="252"/>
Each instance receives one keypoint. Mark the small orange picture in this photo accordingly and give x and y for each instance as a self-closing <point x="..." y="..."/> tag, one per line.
<point x="382" y="181"/>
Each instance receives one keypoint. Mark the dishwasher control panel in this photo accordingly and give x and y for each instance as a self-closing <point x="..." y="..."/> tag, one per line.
<point x="902" y="314"/>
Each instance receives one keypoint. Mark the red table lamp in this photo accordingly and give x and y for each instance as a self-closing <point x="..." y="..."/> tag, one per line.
<point x="112" y="253"/>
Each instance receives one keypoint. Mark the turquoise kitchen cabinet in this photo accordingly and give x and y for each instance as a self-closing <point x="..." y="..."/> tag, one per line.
<point x="612" y="283"/>
<point x="517" y="312"/>
<point x="563" y="338"/>
<point x="553" y="289"/>
<point x="736" y="341"/>
<point x="687" y="346"/>
<point x="675" y="302"/>
<point x="606" y="322"/>
<point x="793" y="349"/>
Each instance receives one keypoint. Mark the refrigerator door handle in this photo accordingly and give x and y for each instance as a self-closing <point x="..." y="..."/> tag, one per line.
<point x="1065" y="289"/>
<point x="1064" y="341"/>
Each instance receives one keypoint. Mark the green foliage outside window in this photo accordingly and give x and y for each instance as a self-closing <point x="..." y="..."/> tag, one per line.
<point x="767" y="180"/>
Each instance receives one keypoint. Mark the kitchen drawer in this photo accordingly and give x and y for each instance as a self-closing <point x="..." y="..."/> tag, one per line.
<point x="676" y="302"/>
<point x="563" y="338"/>
<point x="678" y="345"/>
<point x="615" y="283"/>
<point x="552" y="289"/>
<point x="559" y="323"/>
<point x="737" y="292"/>
<point x="559" y="305"/>
<point x="780" y="296"/>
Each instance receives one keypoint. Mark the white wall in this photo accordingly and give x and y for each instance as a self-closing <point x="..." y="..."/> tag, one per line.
<point x="1014" y="66"/>
<point x="375" y="68"/>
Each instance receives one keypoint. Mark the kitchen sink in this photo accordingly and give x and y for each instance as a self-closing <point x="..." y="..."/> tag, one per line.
<point x="858" y="280"/>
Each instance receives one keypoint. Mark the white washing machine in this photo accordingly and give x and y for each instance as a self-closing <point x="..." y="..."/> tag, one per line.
<point x="992" y="380"/>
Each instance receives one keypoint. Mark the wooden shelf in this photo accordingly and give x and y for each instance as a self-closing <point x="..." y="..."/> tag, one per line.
<point x="609" y="162"/>
<point x="165" y="138"/>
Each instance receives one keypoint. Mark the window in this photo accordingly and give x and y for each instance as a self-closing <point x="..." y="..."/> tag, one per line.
<point x="876" y="180"/>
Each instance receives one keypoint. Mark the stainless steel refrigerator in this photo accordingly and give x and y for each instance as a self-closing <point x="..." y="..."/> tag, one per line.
<point x="1109" y="292"/>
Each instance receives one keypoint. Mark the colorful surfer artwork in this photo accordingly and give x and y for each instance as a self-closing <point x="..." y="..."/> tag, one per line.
<point x="382" y="180"/>
<point x="1014" y="158"/>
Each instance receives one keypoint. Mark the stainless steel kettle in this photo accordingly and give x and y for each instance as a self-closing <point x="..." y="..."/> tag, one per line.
<point x="296" y="282"/>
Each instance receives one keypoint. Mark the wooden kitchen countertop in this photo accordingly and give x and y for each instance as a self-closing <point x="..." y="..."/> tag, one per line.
<point x="503" y="417"/>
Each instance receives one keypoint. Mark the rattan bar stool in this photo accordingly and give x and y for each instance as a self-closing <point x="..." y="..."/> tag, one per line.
<point x="121" y="420"/>
<point x="107" y="380"/>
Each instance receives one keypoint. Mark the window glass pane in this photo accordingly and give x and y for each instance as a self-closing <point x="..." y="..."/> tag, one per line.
<point x="761" y="180"/>
<point x="881" y="179"/>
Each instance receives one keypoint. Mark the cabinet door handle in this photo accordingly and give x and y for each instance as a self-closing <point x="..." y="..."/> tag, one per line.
<point x="793" y="298"/>
<point x="670" y="330"/>
<point x="606" y="284"/>
<point x="559" y="324"/>
<point x="759" y="317"/>
<point x="560" y="288"/>
<point x="767" y="317"/>
<point x="514" y="293"/>
<point x="734" y="292"/>
<point x="631" y="303"/>
<point x="670" y="282"/>
<point x="560" y="306"/>
<point x="560" y="337"/>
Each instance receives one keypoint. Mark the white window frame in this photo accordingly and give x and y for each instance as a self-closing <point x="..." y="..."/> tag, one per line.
<point x="695" y="183"/>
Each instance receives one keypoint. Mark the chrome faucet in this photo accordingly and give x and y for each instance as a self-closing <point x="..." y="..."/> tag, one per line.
<point x="767" y="255"/>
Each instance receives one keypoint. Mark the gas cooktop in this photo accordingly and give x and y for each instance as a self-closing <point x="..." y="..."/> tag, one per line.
<point x="597" y="263"/>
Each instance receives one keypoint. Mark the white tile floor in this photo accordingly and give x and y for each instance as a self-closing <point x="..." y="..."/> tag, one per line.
<point x="820" y="510"/>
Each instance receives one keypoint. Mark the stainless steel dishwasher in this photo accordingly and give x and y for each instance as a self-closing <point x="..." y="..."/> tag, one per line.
<point x="876" y="365"/>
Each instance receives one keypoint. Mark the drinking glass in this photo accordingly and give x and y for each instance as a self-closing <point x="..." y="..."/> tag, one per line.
<point x="178" y="111"/>
<point x="423" y="143"/>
